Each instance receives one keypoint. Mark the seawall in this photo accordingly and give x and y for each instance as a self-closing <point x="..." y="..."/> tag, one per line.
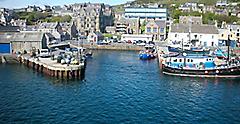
<point x="53" y="69"/>
<point x="111" y="47"/>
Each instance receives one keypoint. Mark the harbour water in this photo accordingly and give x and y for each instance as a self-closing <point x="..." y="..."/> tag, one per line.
<point x="118" y="88"/>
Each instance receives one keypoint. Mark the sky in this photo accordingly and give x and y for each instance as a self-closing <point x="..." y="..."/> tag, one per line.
<point x="24" y="3"/>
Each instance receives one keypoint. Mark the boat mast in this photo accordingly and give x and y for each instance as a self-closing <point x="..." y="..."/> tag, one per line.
<point x="228" y="49"/>
<point x="190" y="28"/>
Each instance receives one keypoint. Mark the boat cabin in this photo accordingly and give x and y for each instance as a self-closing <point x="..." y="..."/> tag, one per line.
<point x="190" y="62"/>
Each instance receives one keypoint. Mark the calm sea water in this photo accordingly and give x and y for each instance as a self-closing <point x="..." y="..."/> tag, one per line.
<point x="118" y="88"/>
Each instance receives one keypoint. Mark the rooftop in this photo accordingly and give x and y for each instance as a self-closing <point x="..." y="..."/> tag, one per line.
<point x="195" y="28"/>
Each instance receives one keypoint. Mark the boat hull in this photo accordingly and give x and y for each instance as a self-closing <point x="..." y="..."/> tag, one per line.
<point x="221" y="72"/>
<point x="144" y="56"/>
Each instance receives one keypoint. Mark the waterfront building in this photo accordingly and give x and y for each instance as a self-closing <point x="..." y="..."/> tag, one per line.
<point x="95" y="37"/>
<point x="157" y="28"/>
<point x="225" y="35"/>
<point x="236" y="30"/>
<point x="21" y="42"/>
<point x="133" y="37"/>
<point x="92" y="16"/>
<point x="146" y="13"/>
<point x="197" y="35"/>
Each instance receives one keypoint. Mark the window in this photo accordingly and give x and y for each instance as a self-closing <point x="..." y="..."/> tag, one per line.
<point x="237" y="34"/>
<point x="195" y="36"/>
<point x="148" y="29"/>
<point x="188" y="60"/>
<point x="180" y="60"/>
<point x="175" y="35"/>
<point x="175" y="60"/>
<point x="162" y="30"/>
<point x="212" y="36"/>
<point x="222" y="35"/>
<point x="212" y="43"/>
<point x="154" y="30"/>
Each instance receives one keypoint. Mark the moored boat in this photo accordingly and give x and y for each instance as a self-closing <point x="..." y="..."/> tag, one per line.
<point x="201" y="66"/>
<point x="148" y="53"/>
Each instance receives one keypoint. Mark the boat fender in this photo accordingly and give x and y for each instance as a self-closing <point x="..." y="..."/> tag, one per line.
<point x="217" y="71"/>
<point x="206" y="72"/>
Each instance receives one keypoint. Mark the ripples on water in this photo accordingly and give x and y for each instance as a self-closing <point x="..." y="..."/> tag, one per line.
<point x="118" y="88"/>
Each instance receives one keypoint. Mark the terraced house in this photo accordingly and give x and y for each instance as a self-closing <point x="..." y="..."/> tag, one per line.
<point x="157" y="28"/>
<point x="92" y="17"/>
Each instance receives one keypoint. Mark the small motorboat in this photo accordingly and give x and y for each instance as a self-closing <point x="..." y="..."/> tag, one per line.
<point x="148" y="53"/>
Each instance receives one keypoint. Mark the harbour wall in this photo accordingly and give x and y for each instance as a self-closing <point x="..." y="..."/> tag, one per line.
<point x="53" y="71"/>
<point x="128" y="47"/>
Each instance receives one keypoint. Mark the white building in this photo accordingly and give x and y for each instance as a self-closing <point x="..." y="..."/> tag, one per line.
<point x="146" y="13"/>
<point x="200" y="35"/>
<point x="132" y="37"/>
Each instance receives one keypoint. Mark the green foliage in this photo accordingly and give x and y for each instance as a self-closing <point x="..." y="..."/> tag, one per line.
<point x="210" y="17"/>
<point x="65" y="18"/>
<point x="108" y="35"/>
<point x="143" y="26"/>
<point x="33" y="17"/>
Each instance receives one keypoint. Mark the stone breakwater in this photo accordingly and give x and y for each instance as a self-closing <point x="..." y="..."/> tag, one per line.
<point x="54" y="69"/>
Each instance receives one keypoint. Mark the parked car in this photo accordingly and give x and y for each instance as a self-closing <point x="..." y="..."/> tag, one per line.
<point x="129" y="41"/>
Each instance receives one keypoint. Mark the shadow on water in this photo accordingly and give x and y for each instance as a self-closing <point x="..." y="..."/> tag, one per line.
<point x="57" y="81"/>
<point x="213" y="80"/>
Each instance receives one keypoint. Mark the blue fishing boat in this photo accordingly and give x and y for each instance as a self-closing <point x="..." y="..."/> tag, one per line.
<point x="148" y="53"/>
<point x="201" y="65"/>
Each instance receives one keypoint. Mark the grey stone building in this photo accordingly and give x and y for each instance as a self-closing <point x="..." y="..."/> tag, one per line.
<point x="20" y="42"/>
<point x="92" y="17"/>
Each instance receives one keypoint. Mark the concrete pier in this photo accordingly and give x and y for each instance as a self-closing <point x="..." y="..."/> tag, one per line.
<point x="54" y="69"/>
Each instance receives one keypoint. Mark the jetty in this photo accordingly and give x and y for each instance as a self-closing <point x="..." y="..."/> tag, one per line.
<point x="52" y="68"/>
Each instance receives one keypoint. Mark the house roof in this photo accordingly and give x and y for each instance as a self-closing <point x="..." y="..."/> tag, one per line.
<point x="50" y="35"/>
<point x="159" y="23"/>
<point x="20" y="37"/>
<point x="46" y="25"/>
<point x="9" y="28"/>
<point x="195" y="28"/>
